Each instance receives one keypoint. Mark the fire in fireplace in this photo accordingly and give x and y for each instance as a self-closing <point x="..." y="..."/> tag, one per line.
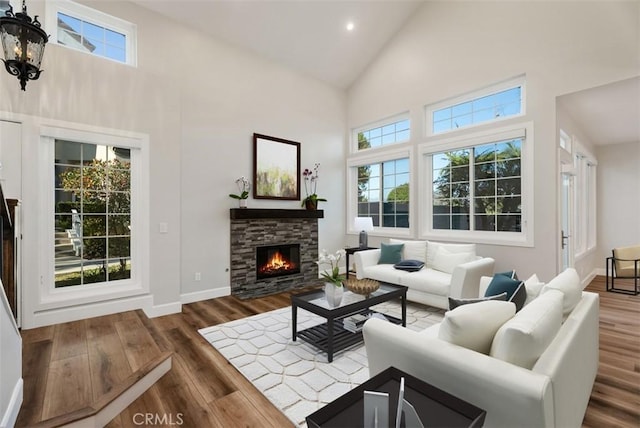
<point x="277" y="260"/>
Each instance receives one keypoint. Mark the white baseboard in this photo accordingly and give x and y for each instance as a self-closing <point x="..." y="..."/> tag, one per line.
<point x="90" y="310"/>
<point x="589" y="278"/>
<point x="198" y="296"/>
<point x="153" y="311"/>
<point x="11" y="414"/>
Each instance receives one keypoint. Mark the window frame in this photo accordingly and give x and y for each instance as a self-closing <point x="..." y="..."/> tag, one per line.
<point x="524" y="238"/>
<point x="379" y="124"/>
<point x="429" y="109"/>
<point x="585" y="201"/>
<point x="380" y="155"/>
<point x="96" y="17"/>
<point x="138" y="284"/>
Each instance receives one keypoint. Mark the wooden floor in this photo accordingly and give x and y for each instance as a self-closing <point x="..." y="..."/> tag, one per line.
<point x="66" y="366"/>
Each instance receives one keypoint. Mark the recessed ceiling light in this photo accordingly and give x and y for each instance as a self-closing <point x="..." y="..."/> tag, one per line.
<point x="350" y="26"/>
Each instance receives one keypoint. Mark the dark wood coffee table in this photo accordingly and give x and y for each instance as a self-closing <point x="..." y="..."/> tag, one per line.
<point x="331" y="336"/>
<point x="435" y="407"/>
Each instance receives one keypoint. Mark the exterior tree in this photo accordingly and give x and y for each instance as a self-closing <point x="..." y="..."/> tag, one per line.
<point x="103" y="191"/>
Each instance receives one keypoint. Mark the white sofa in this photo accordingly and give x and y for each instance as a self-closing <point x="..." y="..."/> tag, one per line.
<point x="553" y="392"/>
<point x="441" y="277"/>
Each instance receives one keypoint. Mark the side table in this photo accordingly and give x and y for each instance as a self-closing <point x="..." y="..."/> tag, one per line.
<point x="435" y="407"/>
<point x="350" y="251"/>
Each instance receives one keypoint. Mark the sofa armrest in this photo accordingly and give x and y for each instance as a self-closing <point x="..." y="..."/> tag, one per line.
<point x="365" y="259"/>
<point x="511" y="395"/>
<point x="465" y="279"/>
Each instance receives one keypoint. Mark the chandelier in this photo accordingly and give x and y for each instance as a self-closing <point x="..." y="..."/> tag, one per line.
<point x="23" y="43"/>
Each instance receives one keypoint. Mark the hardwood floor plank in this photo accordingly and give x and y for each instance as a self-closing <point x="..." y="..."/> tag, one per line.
<point x="70" y="340"/>
<point x="108" y="362"/>
<point x="68" y="386"/>
<point x="139" y="346"/>
<point x="35" y="370"/>
<point x="38" y="334"/>
<point x="236" y="410"/>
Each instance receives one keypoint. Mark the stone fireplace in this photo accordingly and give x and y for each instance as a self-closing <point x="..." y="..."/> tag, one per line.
<point x="272" y="250"/>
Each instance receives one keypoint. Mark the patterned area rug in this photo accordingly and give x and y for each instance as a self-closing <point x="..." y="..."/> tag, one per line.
<point x="295" y="376"/>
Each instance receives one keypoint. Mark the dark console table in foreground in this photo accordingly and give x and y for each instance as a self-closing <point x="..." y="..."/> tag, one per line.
<point x="435" y="407"/>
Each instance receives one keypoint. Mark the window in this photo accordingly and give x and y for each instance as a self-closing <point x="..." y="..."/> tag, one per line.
<point x="479" y="188"/>
<point x="584" y="201"/>
<point x="495" y="103"/>
<point x="395" y="131"/>
<point x="92" y="212"/>
<point x="82" y="28"/>
<point x="480" y="183"/>
<point x="383" y="193"/>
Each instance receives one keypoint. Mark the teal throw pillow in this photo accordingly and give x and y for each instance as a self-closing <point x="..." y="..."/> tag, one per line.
<point x="514" y="288"/>
<point x="511" y="274"/>
<point x="390" y="254"/>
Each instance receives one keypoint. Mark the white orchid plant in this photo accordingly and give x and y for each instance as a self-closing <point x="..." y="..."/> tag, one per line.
<point x="333" y="276"/>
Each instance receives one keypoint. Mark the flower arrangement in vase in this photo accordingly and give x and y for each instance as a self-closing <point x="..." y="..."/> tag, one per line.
<point x="243" y="185"/>
<point x="333" y="288"/>
<point x="310" y="178"/>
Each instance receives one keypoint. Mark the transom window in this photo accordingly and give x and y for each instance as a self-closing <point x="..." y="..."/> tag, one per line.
<point x="92" y="213"/>
<point x="383" y="193"/>
<point x="82" y="28"/>
<point x="478" y="188"/>
<point x="495" y="103"/>
<point x="389" y="133"/>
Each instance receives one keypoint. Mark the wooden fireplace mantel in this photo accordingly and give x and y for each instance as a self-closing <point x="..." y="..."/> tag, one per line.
<point x="268" y="213"/>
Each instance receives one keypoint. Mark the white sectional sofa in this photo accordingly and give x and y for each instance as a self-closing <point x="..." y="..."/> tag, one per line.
<point x="442" y="277"/>
<point x="539" y="371"/>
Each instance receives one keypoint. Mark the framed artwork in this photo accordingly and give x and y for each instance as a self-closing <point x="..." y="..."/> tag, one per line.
<point x="276" y="168"/>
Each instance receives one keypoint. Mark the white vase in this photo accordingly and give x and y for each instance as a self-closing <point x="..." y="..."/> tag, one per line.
<point x="333" y="294"/>
<point x="243" y="203"/>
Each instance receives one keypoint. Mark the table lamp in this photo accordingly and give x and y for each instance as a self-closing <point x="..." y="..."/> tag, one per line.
<point x="364" y="224"/>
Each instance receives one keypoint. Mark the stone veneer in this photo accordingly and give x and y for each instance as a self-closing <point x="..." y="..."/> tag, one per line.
<point x="252" y="228"/>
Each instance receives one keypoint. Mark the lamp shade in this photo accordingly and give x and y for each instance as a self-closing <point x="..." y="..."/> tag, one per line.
<point x="363" y="223"/>
<point x="23" y="44"/>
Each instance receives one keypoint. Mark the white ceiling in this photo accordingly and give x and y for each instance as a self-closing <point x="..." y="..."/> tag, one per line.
<point x="608" y="114"/>
<point x="305" y="35"/>
<point x="311" y="36"/>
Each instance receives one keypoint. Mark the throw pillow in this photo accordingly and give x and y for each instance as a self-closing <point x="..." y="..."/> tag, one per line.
<point x="519" y="296"/>
<point x="409" y="265"/>
<point x="510" y="273"/>
<point x="523" y="338"/>
<point x="500" y="284"/>
<point x="413" y="250"/>
<point x="454" y="303"/>
<point x="473" y="326"/>
<point x="446" y="261"/>
<point x="432" y="249"/>
<point x="390" y="254"/>
<point x="569" y="283"/>
<point x="533" y="286"/>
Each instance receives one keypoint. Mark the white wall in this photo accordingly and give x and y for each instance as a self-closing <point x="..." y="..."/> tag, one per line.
<point x="450" y="48"/>
<point x="200" y="101"/>
<point x="618" y="198"/>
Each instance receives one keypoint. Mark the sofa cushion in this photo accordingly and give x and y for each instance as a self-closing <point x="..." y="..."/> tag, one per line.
<point x="454" y="303"/>
<point x="409" y="265"/>
<point x="446" y="261"/>
<point x="413" y="250"/>
<point x="569" y="283"/>
<point x="427" y="281"/>
<point x="510" y="273"/>
<point x="385" y="273"/>
<point x="390" y="253"/>
<point x="432" y="249"/>
<point x="523" y="338"/>
<point x="473" y="326"/>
